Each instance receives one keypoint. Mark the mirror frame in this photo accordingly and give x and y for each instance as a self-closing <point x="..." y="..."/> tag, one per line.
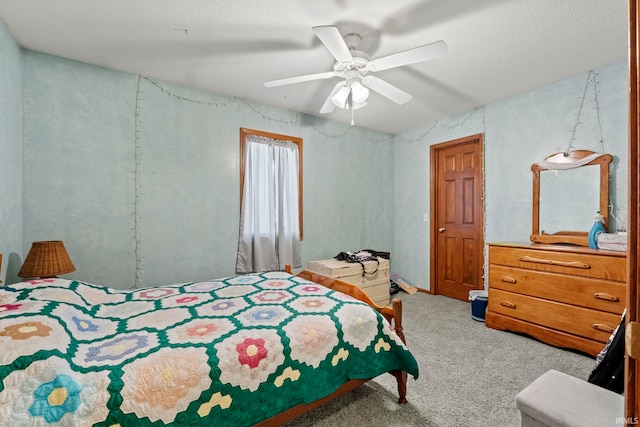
<point x="580" y="238"/>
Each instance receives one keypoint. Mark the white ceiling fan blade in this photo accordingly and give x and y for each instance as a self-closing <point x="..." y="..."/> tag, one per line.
<point x="410" y="56"/>
<point x="386" y="89"/>
<point x="330" y="36"/>
<point x="328" y="105"/>
<point x="299" y="79"/>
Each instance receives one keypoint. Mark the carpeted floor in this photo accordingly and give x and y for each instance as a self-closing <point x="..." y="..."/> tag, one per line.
<point x="469" y="374"/>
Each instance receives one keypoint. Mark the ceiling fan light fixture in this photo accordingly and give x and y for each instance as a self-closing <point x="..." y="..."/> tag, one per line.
<point x="359" y="93"/>
<point x="340" y="98"/>
<point x="359" y="105"/>
<point x="353" y="66"/>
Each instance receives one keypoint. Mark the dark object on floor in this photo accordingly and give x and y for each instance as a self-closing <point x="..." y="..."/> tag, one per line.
<point x="479" y="300"/>
<point x="393" y="288"/>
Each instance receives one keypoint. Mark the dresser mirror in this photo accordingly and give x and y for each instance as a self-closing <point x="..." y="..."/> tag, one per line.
<point x="568" y="190"/>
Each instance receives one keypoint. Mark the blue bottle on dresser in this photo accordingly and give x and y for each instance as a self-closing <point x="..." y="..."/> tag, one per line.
<point x="595" y="230"/>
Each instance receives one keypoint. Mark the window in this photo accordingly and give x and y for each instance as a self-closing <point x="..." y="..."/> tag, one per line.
<point x="271" y="201"/>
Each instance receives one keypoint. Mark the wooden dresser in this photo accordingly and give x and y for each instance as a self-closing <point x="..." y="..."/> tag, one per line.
<point x="567" y="296"/>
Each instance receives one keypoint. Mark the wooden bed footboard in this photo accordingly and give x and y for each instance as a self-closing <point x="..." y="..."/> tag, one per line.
<point x="392" y="313"/>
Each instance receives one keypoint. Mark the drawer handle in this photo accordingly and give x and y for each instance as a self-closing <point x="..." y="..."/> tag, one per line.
<point x="508" y="279"/>
<point x="602" y="327"/>
<point x="605" y="296"/>
<point x="574" y="264"/>
<point x="507" y="304"/>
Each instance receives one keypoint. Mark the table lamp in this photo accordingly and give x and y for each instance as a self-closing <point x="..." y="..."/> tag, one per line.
<point x="46" y="259"/>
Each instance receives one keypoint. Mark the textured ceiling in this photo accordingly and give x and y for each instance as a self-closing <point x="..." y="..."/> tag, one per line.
<point x="497" y="48"/>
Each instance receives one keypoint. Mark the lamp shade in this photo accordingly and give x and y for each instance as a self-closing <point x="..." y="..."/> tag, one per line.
<point x="359" y="93"/>
<point x="340" y="98"/>
<point x="46" y="259"/>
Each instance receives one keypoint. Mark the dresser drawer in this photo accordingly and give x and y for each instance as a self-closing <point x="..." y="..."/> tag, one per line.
<point x="580" y="321"/>
<point x="570" y="263"/>
<point x="597" y="294"/>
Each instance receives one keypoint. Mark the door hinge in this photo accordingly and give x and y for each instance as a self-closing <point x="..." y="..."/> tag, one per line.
<point x="632" y="339"/>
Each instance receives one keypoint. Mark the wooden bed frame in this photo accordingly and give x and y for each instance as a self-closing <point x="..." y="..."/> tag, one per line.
<point x="392" y="313"/>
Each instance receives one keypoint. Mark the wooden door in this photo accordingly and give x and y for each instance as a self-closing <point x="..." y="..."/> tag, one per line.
<point x="457" y="234"/>
<point x="632" y="341"/>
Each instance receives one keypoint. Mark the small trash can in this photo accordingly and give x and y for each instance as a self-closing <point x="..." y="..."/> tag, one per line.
<point x="479" y="300"/>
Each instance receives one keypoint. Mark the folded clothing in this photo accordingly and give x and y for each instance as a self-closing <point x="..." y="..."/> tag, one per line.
<point x="612" y="242"/>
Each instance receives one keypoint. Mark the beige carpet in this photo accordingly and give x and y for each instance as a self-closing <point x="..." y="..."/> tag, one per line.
<point x="469" y="374"/>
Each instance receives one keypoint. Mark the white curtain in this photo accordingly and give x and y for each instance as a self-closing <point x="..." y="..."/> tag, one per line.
<point x="269" y="224"/>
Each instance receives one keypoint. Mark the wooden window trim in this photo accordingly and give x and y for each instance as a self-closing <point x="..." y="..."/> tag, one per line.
<point x="244" y="132"/>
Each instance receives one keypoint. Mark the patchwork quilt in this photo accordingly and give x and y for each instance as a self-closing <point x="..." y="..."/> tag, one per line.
<point x="227" y="352"/>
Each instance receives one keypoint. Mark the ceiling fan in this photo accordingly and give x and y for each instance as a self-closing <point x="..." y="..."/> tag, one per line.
<point x="354" y="66"/>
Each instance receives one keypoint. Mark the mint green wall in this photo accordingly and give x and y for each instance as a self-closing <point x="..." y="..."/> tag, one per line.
<point x="11" y="185"/>
<point x="140" y="178"/>
<point x="518" y="131"/>
<point x="79" y="158"/>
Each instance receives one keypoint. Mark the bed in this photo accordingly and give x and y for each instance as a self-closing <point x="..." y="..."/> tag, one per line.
<point x="255" y="349"/>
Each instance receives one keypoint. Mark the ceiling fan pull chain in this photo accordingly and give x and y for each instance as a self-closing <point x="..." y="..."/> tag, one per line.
<point x="351" y="104"/>
<point x="352" y="122"/>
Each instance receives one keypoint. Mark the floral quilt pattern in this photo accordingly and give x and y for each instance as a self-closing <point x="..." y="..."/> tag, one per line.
<point x="227" y="352"/>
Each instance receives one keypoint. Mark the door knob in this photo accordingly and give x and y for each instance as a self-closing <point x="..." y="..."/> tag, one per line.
<point x="441" y="230"/>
